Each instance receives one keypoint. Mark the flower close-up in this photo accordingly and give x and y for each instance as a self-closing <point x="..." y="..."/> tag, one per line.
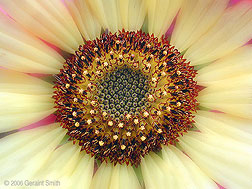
<point x="126" y="94"/>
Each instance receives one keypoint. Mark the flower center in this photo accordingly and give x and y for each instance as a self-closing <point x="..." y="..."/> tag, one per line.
<point x="122" y="92"/>
<point x="124" y="95"/>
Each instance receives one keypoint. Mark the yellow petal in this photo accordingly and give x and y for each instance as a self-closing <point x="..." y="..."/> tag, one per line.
<point x="86" y="22"/>
<point x="224" y="125"/>
<point x="16" y="82"/>
<point x="69" y="166"/>
<point x="115" y="177"/>
<point x="194" y="19"/>
<point x="225" y="160"/>
<point x="107" y="13"/>
<point x="161" y="14"/>
<point x="175" y="170"/>
<point x="25" y="99"/>
<point x="98" y="11"/>
<point x="132" y="14"/>
<point x="124" y="177"/>
<point x="23" y="109"/>
<point x="49" y="20"/>
<point x="236" y="63"/>
<point x="156" y="173"/>
<point x="20" y="51"/>
<point x="62" y="162"/>
<point x="231" y="96"/>
<point x="24" y="152"/>
<point x="186" y="173"/>
<point x="82" y="175"/>
<point x="116" y="15"/>
<point x="231" y="31"/>
<point x="102" y="176"/>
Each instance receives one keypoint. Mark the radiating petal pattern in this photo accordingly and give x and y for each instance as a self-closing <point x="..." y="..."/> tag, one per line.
<point x="24" y="100"/>
<point x="69" y="166"/>
<point x="196" y="17"/>
<point x="237" y="63"/>
<point x="20" y="51"/>
<point x="231" y="31"/>
<point x="48" y="20"/>
<point x="161" y="14"/>
<point x="115" y="177"/>
<point x="225" y="160"/>
<point x="222" y="124"/>
<point x="116" y="15"/>
<point x="210" y="35"/>
<point x="233" y="96"/>
<point x="25" y="152"/>
<point x="86" y="22"/>
<point x="175" y="170"/>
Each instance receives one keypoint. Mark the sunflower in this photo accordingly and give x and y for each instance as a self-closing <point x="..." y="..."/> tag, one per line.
<point x="126" y="94"/>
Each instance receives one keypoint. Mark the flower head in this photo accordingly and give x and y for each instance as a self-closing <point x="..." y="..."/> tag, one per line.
<point x="124" y="95"/>
<point x="133" y="94"/>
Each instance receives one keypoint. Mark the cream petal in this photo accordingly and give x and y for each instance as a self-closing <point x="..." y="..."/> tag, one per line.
<point x="230" y="32"/>
<point x="194" y="19"/>
<point x="240" y="110"/>
<point x="115" y="177"/>
<point x="82" y="175"/>
<point x="116" y="15"/>
<point x="124" y="177"/>
<point x="48" y="20"/>
<point x="161" y="14"/>
<point x="225" y="160"/>
<point x="113" y="16"/>
<point x="132" y="13"/>
<point x="237" y="63"/>
<point x="69" y="166"/>
<point x="224" y="125"/>
<point x="10" y="122"/>
<point x="62" y="162"/>
<point x="102" y="176"/>
<point x="175" y="170"/>
<point x="187" y="174"/>
<point x="107" y="13"/>
<point x="22" y="103"/>
<point x="20" y="51"/>
<point x="157" y="174"/>
<point x="86" y="22"/>
<point x="231" y="96"/>
<point x="24" y="152"/>
<point x="98" y="11"/>
<point x="16" y="82"/>
<point x="23" y="109"/>
<point x="25" y="99"/>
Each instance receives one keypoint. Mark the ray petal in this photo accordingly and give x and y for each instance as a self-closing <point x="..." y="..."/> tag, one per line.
<point x="194" y="19"/>
<point x="161" y="14"/>
<point x="65" y="164"/>
<point x="116" y="15"/>
<point x="226" y="125"/>
<point x="20" y="51"/>
<point x="49" y="20"/>
<point x="175" y="170"/>
<point x="237" y="63"/>
<point x="222" y="158"/>
<point x="230" y="32"/>
<point x="232" y="96"/>
<point x="115" y="177"/>
<point x="86" y="22"/>
<point x="25" y="100"/>
<point x="24" y="152"/>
